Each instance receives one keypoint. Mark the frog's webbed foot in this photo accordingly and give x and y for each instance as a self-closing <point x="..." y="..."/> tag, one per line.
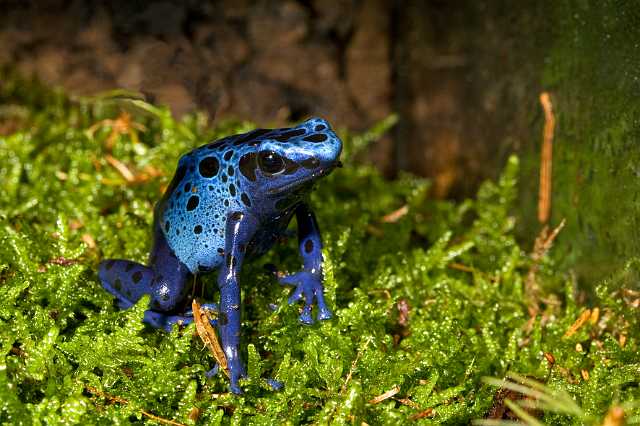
<point x="234" y="387"/>
<point x="166" y="321"/>
<point x="310" y="286"/>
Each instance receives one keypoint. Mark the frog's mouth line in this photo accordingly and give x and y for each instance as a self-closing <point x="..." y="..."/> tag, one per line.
<point x="314" y="176"/>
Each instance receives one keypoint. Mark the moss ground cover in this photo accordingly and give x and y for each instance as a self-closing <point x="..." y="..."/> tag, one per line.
<point x="429" y="296"/>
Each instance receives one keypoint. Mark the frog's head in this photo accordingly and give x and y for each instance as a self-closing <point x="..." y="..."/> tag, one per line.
<point x="284" y="163"/>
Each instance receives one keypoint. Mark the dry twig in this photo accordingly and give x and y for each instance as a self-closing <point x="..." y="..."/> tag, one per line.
<point x="353" y="366"/>
<point x="622" y="340"/>
<point x="542" y="245"/>
<point x="63" y="261"/>
<point x="149" y="173"/>
<point x="121" y="168"/>
<point x="403" y="312"/>
<point x="388" y="394"/>
<point x="546" y="160"/>
<point x="120" y="126"/>
<point x="550" y="358"/>
<point x="464" y="268"/>
<point x="89" y="240"/>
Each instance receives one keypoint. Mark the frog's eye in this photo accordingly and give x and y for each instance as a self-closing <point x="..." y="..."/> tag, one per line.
<point x="270" y="162"/>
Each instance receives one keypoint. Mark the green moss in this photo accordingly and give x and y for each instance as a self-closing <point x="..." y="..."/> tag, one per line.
<point x="64" y="345"/>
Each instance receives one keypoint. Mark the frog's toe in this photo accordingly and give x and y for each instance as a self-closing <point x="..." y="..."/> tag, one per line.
<point x="235" y="389"/>
<point x="324" y="313"/>
<point x="166" y="321"/>
<point x="305" y="315"/>
<point x="296" y="295"/>
<point x="213" y="372"/>
<point x="292" y="279"/>
<point x="211" y="307"/>
<point x="275" y="385"/>
<point x="234" y="385"/>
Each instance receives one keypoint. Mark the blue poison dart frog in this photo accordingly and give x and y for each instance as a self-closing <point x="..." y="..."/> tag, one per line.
<point x="231" y="200"/>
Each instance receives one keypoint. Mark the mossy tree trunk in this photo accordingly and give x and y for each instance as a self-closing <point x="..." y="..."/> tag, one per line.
<point x="592" y="69"/>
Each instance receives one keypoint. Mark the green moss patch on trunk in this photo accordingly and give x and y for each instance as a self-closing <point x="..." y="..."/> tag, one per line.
<point x="592" y="69"/>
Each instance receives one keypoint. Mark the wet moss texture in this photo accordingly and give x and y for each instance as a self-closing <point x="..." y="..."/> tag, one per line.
<point x="429" y="296"/>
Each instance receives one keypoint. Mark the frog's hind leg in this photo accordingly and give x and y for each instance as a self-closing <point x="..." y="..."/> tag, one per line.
<point x="167" y="280"/>
<point x="127" y="281"/>
<point x="164" y="282"/>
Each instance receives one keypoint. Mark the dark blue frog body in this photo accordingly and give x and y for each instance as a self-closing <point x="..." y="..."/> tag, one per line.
<point x="228" y="201"/>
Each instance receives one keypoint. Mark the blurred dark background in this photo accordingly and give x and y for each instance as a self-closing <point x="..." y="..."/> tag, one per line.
<point x="461" y="75"/>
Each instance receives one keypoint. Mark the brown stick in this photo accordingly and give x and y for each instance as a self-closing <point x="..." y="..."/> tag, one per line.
<point x="546" y="160"/>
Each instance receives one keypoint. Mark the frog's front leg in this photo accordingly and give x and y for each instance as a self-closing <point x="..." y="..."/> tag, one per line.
<point x="308" y="282"/>
<point x="240" y="228"/>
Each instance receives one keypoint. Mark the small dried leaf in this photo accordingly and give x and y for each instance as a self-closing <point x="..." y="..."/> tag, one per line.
<point x="584" y="316"/>
<point x="622" y="340"/>
<point x="403" y="311"/>
<point x="61" y="175"/>
<point x="89" y="241"/>
<point x="395" y="215"/>
<point x="194" y="414"/>
<point x="550" y="358"/>
<point x="615" y="417"/>
<point x="426" y="413"/>
<point x="120" y="167"/>
<point x="408" y="402"/>
<point x="209" y="336"/>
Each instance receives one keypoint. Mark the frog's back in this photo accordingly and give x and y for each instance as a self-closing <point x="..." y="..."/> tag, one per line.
<point x="204" y="189"/>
